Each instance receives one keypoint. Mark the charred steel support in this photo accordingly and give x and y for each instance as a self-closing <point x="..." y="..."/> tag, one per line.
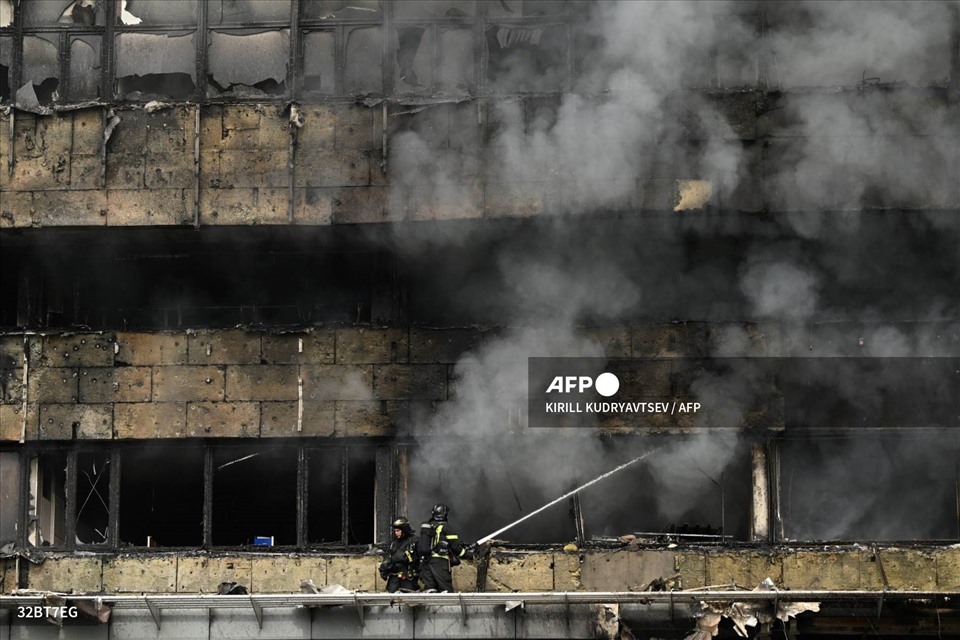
<point x="113" y="517"/>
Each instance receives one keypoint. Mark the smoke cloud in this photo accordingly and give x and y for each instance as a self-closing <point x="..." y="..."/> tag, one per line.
<point x="629" y="126"/>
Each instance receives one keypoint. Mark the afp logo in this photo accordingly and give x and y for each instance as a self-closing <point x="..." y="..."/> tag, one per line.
<point x="606" y="384"/>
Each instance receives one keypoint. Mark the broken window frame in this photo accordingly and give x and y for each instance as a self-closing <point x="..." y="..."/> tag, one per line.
<point x="384" y="501"/>
<point x="299" y="25"/>
<point x="63" y="34"/>
<point x="435" y="26"/>
<point x="341" y="27"/>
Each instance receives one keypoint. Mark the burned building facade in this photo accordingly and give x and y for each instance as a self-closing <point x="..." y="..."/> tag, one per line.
<point x="273" y="270"/>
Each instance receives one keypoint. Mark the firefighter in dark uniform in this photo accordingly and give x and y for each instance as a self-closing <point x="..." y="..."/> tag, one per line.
<point x="401" y="565"/>
<point x="440" y="549"/>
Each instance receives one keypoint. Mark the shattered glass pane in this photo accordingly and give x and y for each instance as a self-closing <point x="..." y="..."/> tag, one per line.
<point x="523" y="8"/>
<point x="341" y="10"/>
<point x="93" y="497"/>
<point x="9" y="496"/>
<point x="527" y="57"/>
<point x="6" y="13"/>
<point x="6" y="54"/>
<point x="319" y="62"/>
<point x="44" y="13"/>
<point x="415" y="57"/>
<point x="456" y="55"/>
<point x="85" y="68"/>
<point x="434" y="9"/>
<point x="48" y="500"/>
<point x="153" y="12"/>
<point x="41" y="66"/>
<point x="249" y="63"/>
<point x="364" y="61"/>
<point x="247" y="11"/>
<point x="151" y="64"/>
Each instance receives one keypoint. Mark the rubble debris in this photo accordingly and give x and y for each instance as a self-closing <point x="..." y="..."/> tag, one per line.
<point x="746" y="614"/>
<point x="231" y="589"/>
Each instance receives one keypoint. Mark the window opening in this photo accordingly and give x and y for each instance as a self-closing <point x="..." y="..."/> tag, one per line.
<point x="93" y="497"/>
<point x="254" y="495"/>
<point x="325" y="499"/>
<point x="161" y="497"/>
<point x="41" y="67"/>
<point x="361" y="485"/>
<point x="6" y="57"/>
<point x="156" y="65"/>
<point x="48" y="500"/>
<point x="319" y="62"/>
<point x="892" y="487"/>
<point x="9" y="498"/>
<point x="342" y="9"/>
<point x="251" y="63"/>
<point x="84" y="67"/>
<point x="247" y="11"/>
<point x="364" y="62"/>
<point x="6" y="13"/>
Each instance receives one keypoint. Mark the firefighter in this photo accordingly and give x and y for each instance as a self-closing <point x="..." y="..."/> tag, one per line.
<point x="402" y="562"/>
<point x="440" y="549"/>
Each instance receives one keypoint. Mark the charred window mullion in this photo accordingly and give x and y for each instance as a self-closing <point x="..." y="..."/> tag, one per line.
<point x="207" y="496"/>
<point x="344" y="496"/>
<point x="202" y="61"/>
<point x="295" y="61"/>
<point x="113" y="538"/>
<point x="303" y="472"/>
<point x="70" y="517"/>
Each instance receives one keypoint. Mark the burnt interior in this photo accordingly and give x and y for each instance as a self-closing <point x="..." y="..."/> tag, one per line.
<point x="888" y="266"/>
<point x="93" y="497"/>
<point x="254" y="495"/>
<point x="161" y="497"/>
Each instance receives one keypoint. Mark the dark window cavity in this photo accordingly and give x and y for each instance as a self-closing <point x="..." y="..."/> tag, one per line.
<point x="254" y="495"/>
<point x="161" y="497"/>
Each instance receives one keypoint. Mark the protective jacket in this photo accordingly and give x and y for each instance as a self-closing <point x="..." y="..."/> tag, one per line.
<point x="439" y="540"/>
<point x="402" y="560"/>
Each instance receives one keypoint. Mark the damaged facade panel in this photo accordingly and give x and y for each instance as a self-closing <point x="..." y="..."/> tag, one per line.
<point x="249" y="63"/>
<point x="160" y="65"/>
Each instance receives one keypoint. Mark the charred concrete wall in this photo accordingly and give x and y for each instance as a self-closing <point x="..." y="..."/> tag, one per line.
<point x="827" y="568"/>
<point x="343" y="382"/>
<point x="247" y="165"/>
